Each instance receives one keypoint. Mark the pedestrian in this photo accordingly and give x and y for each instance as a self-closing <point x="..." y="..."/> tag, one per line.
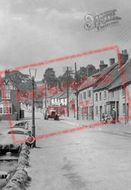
<point x="30" y="140"/>
<point x="103" y="117"/>
<point x="113" y="115"/>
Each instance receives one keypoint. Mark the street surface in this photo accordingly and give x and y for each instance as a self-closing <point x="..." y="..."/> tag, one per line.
<point x="91" y="159"/>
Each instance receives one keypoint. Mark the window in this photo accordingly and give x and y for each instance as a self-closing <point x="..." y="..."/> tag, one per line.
<point x="100" y="96"/>
<point x="7" y="110"/>
<point x="84" y="95"/>
<point x="96" y="97"/>
<point x="123" y="92"/>
<point x="105" y="94"/>
<point x="84" y="110"/>
<point x="96" y="110"/>
<point x="112" y="94"/>
<point x="89" y="93"/>
<point x="1" y="110"/>
<point x="80" y="96"/>
<point x="124" y="108"/>
<point x="6" y="95"/>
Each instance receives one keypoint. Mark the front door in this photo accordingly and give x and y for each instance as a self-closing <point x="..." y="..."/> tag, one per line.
<point x="100" y="113"/>
<point x="117" y="111"/>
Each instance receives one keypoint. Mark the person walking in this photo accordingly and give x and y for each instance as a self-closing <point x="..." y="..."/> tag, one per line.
<point x="113" y="115"/>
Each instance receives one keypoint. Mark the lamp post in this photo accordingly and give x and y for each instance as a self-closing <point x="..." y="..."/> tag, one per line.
<point x="77" y="93"/>
<point x="32" y="73"/>
<point x="67" y="82"/>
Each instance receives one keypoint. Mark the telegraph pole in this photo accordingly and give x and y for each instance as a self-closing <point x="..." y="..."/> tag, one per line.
<point x="45" y="96"/>
<point x="33" y="111"/>
<point x="77" y="106"/>
<point x="67" y="83"/>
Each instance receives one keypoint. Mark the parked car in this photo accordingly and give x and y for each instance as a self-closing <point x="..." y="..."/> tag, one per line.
<point x="7" y="143"/>
<point x="22" y="125"/>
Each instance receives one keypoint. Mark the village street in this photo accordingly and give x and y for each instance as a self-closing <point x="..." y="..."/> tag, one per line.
<point x="90" y="159"/>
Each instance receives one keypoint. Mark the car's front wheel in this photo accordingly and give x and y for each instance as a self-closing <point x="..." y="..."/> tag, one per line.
<point x="56" y="117"/>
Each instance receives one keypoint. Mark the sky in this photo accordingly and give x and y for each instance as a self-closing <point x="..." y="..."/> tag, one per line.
<point x="32" y="31"/>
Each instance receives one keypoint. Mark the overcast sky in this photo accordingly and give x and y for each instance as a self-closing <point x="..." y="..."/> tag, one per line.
<point x="32" y="31"/>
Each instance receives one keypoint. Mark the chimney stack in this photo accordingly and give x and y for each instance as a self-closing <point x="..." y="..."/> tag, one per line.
<point x="123" y="57"/>
<point x="102" y="65"/>
<point x="112" y="61"/>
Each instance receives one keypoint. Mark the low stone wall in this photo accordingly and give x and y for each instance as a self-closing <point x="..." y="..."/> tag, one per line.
<point x="19" y="179"/>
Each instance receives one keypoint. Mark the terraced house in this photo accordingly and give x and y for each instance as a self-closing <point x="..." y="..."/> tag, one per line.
<point x="87" y="100"/>
<point x="104" y="90"/>
<point x="105" y="99"/>
<point x="120" y="93"/>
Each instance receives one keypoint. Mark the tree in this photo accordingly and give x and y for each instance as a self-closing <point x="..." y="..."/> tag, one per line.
<point x="19" y="80"/>
<point x="50" y="77"/>
<point x="91" y="70"/>
<point x="62" y="80"/>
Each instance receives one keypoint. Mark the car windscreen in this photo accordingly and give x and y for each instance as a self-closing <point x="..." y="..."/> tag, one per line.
<point x="16" y="132"/>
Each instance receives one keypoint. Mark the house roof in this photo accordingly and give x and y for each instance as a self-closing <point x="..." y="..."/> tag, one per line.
<point x="105" y="70"/>
<point x="97" y="78"/>
<point x="107" y="78"/>
<point x="124" y="76"/>
<point x="64" y="95"/>
<point x="86" y="84"/>
<point x="58" y="95"/>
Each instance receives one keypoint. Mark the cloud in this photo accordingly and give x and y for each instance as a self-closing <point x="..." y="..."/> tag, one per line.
<point x="35" y="30"/>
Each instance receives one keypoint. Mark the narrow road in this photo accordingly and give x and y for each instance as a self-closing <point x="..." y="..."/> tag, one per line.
<point x="92" y="159"/>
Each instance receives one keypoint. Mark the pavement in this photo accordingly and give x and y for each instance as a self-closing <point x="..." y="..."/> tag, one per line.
<point x="89" y="159"/>
<point x="94" y="158"/>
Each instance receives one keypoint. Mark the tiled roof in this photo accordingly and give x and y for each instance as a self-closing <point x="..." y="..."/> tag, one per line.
<point x="86" y="84"/>
<point x="123" y="77"/>
<point x="58" y="95"/>
<point x="107" y="78"/>
<point x="97" y="78"/>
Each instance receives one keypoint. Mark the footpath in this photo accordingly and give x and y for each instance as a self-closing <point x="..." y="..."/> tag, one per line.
<point x="118" y="127"/>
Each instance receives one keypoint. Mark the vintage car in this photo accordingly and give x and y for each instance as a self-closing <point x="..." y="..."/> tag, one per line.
<point x="8" y="137"/>
<point x="23" y="125"/>
<point x="52" y="112"/>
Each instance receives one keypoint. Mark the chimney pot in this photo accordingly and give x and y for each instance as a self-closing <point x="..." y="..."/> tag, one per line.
<point x="102" y="65"/>
<point x="112" y="61"/>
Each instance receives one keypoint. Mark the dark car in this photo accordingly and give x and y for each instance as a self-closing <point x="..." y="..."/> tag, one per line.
<point x="51" y="112"/>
